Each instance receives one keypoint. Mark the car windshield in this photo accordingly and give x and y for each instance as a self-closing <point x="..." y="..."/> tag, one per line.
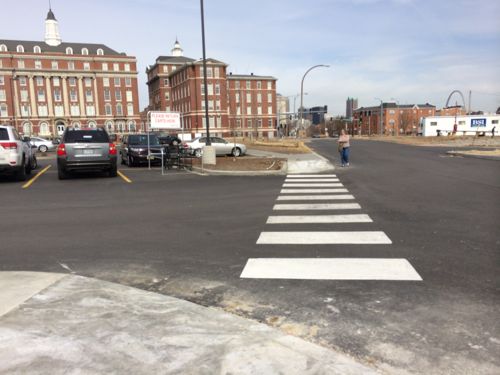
<point x="135" y="140"/>
<point x="86" y="136"/>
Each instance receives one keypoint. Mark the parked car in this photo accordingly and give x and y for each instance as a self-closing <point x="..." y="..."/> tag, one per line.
<point x="170" y="140"/>
<point x="134" y="149"/>
<point x="42" y="144"/>
<point x="222" y="147"/>
<point x="16" y="154"/>
<point x="86" y="150"/>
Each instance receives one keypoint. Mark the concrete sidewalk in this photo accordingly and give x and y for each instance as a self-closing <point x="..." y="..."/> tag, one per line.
<point x="57" y="323"/>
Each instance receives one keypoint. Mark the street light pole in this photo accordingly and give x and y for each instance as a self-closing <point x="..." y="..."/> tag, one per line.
<point x="302" y="91"/>
<point x="398" y="117"/>
<point x="381" y="114"/>
<point x="208" y="143"/>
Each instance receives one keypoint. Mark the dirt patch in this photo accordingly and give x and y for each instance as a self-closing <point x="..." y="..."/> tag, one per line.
<point x="284" y="146"/>
<point x="245" y="163"/>
<point x="494" y="153"/>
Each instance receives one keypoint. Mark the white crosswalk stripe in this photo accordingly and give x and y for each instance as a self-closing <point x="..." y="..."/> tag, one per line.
<point x="311" y="184"/>
<point x="323" y="238"/>
<point x="313" y="191"/>
<point x="323" y="187"/>
<point x="314" y="197"/>
<point x="330" y="269"/>
<point x="318" y="219"/>
<point x="317" y="206"/>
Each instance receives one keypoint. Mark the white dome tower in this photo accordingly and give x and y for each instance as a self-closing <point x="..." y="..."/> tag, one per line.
<point x="177" y="50"/>
<point x="52" y="37"/>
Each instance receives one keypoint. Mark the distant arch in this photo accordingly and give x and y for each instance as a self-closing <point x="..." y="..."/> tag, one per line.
<point x="455" y="92"/>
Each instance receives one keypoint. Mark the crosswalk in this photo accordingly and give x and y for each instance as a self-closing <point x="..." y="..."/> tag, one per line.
<point x="315" y="193"/>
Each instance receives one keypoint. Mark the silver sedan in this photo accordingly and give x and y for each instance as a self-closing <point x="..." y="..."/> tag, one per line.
<point x="222" y="147"/>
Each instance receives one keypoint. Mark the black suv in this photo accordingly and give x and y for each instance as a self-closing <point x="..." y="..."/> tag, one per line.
<point x="134" y="149"/>
<point x="86" y="150"/>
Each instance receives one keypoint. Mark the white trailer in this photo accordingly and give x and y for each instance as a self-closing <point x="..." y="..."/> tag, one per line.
<point x="465" y="125"/>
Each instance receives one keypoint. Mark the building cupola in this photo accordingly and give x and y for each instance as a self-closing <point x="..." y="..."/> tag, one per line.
<point x="52" y="37"/>
<point x="177" y="50"/>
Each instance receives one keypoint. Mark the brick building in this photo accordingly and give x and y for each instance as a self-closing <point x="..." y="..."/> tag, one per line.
<point x="396" y="119"/>
<point x="242" y="105"/>
<point x="48" y="85"/>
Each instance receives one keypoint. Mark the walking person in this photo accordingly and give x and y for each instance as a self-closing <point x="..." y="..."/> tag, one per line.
<point x="344" y="148"/>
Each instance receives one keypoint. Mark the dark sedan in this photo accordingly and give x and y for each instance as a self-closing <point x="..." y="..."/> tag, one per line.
<point x="134" y="150"/>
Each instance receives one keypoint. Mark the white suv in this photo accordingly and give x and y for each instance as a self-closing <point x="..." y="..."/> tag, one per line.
<point x="16" y="154"/>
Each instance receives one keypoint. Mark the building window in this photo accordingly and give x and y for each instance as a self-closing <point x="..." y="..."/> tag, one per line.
<point x="249" y="98"/>
<point x="2" y="95"/>
<point x="39" y="81"/>
<point x="90" y="110"/>
<point x="3" y="110"/>
<point x="217" y="89"/>
<point x="20" y="64"/>
<point x="105" y="82"/>
<point x="88" y="82"/>
<point x="22" y="81"/>
<point x="57" y="95"/>
<point x="38" y="64"/>
<point x="116" y="67"/>
<point x="269" y="85"/>
<point x="56" y="82"/>
<point x="237" y="85"/>
<point x="248" y="85"/>
<point x="167" y="95"/>
<point x="20" y="48"/>
<point x="59" y="110"/>
<point x="237" y="97"/>
<point x="85" y="51"/>
<point x="249" y="110"/>
<point x="165" y="81"/>
<point x="86" y="66"/>
<point x="259" y="110"/>
<point x="42" y="111"/>
<point x="130" y="109"/>
<point x="107" y="109"/>
<point x="105" y="66"/>
<point x="210" y="89"/>
<point x="119" y="109"/>
<point x="72" y="95"/>
<point x="25" y="110"/>
<point x="128" y="95"/>
<point x="202" y="86"/>
<point x="270" y="110"/>
<point x="118" y="95"/>
<point x="270" y="98"/>
<point x="216" y="72"/>
<point x="107" y="95"/>
<point x="209" y="73"/>
<point x="109" y="126"/>
<point x="270" y="123"/>
<point x="24" y="95"/>
<point x="131" y="126"/>
<point x="259" y="123"/>
<point x="41" y="95"/>
<point x="3" y="48"/>
<point x="128" y="81"/>
<point x="117" y="82"/>
<point x="100" y="52"/>
<point x="88" y="95"/>
<point x="259" y="98"/>
<point x="259" y="85"/>
<point x="249" y="123"/>
<point x="217" y="105"/>
<point x="71" y="65"/>
<point x="126" y="67"/>
<point x="55" y="65"/>
<point x="37" y="49"/>
<point x="72" y="81"/>
<point x="69" y="51"/>
<point x="75" y="110"/>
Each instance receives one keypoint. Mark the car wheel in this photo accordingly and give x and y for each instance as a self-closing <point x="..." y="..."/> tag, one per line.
<point x="113" y="172"/>
<point x="61" y="173"/>
<point x="236" y="152"/>
<point x="198" y="152"/>
<point x="43" y="148"/>
<point x="21" y="172"/>
<point x="34" y="163"/>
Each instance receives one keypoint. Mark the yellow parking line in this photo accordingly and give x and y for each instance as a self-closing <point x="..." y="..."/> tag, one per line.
<point x="125" y="178"/>
<point x="28" y="184"/>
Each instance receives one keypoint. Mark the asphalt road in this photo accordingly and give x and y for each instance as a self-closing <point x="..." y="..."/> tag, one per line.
<point x="190" y="236"/>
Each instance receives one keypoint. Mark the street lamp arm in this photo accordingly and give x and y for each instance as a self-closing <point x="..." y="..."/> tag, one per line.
<point x="302" y="87"/>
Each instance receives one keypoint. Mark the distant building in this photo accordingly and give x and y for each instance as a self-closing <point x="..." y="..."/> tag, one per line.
<point x="283" y="103"/>
<point x="351" y="105"/>
<point x="243" y="105"/>
<point x="48" y="85"/>
<point x="396" y="119"/>
<point x="317" y="114"/>
<point x="451" y="111"/>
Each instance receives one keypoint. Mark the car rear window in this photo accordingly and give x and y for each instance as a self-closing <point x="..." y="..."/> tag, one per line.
<point x="86" y="136"/>
<point x="4" y="134"/>
<point x="143" y="140"/>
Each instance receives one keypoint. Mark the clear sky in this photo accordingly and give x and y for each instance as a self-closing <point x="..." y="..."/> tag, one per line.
<point x="415" y="51"/>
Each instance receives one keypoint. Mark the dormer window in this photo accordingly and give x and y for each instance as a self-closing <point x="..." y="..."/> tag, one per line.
<point x="3" y="48"/>
<point x="37" y="49"/>
<point x="100" y="52"/>
<point x="69" y="51"/>
<point x="20" y="48"/>
<point x="85" y="51"/>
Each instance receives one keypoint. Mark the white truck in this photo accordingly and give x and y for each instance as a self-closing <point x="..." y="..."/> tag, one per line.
<point x="460" y="125"/>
